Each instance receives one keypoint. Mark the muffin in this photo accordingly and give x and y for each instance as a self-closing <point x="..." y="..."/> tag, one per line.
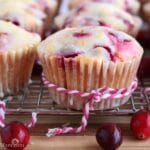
<point x="143" y="1"/>
<point x="17" y="55"/>
<point x="99" y="14"/>
<point x="146" y="11"/>
<point x="50" y="8"/>
<point x="88" y="58"/>
<point x="31" y="15"/>
<point x="131" y="6"/>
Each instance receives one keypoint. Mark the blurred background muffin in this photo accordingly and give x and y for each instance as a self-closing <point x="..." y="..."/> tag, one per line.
<point x="144" y="34"/>
<point x="131" y="6"/>
<point x="99" y="14"/>
<point x="17" y="56"/>
<point x="146" y="11"/>
<point x="32" y="15"/>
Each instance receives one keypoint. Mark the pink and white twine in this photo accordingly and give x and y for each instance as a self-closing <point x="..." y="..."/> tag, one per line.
<point x="2" y="113"/>
<point x="33" y="120"/>
<point x="30" y="124"/>
<point x="93" y="96"/>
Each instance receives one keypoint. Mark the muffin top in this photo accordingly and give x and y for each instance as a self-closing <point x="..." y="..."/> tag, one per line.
<point x="22" y="13"/>
<point x="42" y="4"/>
<point x="13" y="38"/>
<point x="131" y="6"/>
<point x="98" y="14"/>
<point x="99" y="43"/>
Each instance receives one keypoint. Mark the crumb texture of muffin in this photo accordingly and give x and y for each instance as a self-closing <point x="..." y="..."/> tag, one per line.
<point x="17" y="55"/>
<point x="88" y="58"/>
<point x="32" y="15"/>
<point x="100" y="14"/>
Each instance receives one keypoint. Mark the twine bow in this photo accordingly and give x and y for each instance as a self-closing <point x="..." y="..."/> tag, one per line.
<point x="92" y="97"/>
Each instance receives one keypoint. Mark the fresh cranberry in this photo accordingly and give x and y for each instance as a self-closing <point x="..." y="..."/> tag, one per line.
<point x="67" y="22"/>
<point x="81" y="34"/>
<point x="108" y="49"/>
<point x="140" y="124"/>
<point x="128" y="23"/>
<point x="101" y="23"/>
<point x="125" y="21"/>
<point x="15" y="22"/>
<point x="112" y="56"/>
<point x="126" y="40"/>
<point x="80" y="9"/>
<point x="15" y="136"/>
<point x="113" y="38"/>
<point x="71" y="55"/>
<point x="61" y="61"/>
<point x="88" y="21"/>
<point x="109" y="136"/>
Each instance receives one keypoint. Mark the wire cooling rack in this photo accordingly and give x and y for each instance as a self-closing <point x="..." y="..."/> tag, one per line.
<point x="36" y="98"/>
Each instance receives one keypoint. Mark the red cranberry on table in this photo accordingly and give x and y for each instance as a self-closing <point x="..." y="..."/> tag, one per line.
<point x="140" y="124"/>
<point x="109" y="136"/>
<point x="15" y="136"/>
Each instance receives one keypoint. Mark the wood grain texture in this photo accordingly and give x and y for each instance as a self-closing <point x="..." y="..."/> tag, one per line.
<point x="81" y="143"/>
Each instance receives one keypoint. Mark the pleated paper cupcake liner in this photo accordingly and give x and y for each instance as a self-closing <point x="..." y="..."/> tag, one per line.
<point x="86" y="74"/>
<point x="15" y="71"/>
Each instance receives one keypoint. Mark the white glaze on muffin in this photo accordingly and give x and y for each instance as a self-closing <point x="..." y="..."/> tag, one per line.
<point x="13" y="38"/>
<point x="100" y="43"/>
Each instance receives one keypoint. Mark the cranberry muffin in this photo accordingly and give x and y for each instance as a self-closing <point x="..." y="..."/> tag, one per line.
<point x="87" y="58"/>
<point x="99" y="14"/>
<point x="131" y="6"/>
<point x="32" y="15"/>
<point x="146" y="11"/>
<point x="17" y="55"/>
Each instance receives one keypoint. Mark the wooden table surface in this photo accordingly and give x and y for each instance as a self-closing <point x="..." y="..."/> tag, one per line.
<point x="82" y="141"/>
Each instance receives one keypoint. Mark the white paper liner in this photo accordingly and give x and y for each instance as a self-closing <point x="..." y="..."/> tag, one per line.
<point x="15" y="71"/>
<point x="85" y="74"/>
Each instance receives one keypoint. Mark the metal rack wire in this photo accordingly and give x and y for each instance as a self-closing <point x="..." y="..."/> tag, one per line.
<point x="37" y="98"/>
